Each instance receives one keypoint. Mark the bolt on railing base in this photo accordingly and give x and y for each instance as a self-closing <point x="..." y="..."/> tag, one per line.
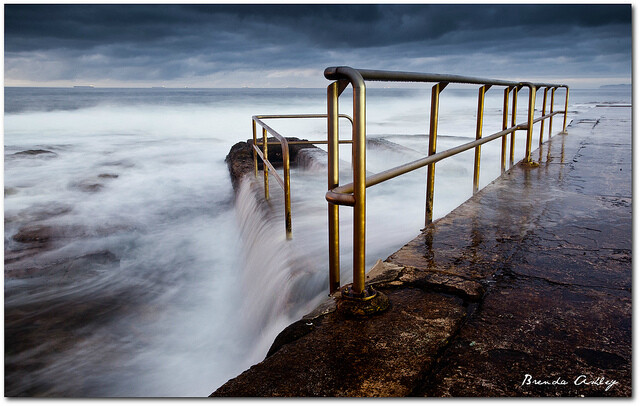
<point x="368" y="303"/>
<point x="530" y="164"/>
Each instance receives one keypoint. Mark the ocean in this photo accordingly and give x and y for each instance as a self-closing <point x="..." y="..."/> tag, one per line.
<point x="133" y="269"/>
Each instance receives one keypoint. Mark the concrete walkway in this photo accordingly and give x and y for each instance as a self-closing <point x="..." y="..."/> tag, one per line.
<point x="524" y="290"/>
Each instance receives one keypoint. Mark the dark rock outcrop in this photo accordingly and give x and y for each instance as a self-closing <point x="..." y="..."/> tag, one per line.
<point x="240" y="157"/>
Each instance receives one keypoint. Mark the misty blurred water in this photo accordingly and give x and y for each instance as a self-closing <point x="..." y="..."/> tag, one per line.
<point x="157" y="281"/>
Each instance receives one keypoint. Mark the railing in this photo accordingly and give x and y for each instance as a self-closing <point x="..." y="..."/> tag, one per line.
<point x="354" y="194"/>
<point x="283" y="181"/>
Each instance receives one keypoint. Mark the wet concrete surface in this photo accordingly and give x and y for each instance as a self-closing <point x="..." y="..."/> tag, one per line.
<point x="524" y="290"/>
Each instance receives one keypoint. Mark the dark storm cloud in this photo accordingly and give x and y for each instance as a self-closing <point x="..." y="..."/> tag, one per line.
<point x="172" y="41"/>
<point x="327" y="25"/>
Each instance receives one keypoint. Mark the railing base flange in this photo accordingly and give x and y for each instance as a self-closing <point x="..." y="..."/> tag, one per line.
<point x="368" y="303"/>
<point x="368" y="293"/>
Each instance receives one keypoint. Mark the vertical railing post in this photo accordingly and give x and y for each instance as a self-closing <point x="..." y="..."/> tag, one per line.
<point x="359" y="186"/>
<point x="255" y="144"/>
<point x="514" y="108"/>
<point x="357" y="290"/>
<point x="333" y="182"/>
<point x="265" y="167"/>
<point x="476" y="162"/>
<point x="505" y="123"/>
<point x="287" y="188"/>
<point x="544" y="110"/>
<point x="530" y="115"/>
<point x="433" y="134"/>
<point x="566" y="108"/>
<point x="553" y="93"/>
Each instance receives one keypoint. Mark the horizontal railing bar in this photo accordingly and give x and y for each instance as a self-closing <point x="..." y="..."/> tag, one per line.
<point x="537" y="120"/>
<point x="284" y="141"/>
<point x="303" y="142"/>
<point x="273" y="132"/>
<point x="411" y="166"/>
<point x="266" y="161"/>
<point x="270" y="116"/>
<point x="341" y="198"/>
<point x="334" y="73"/>
<point x="419" y="163"/>
<point x="310" y="142"/>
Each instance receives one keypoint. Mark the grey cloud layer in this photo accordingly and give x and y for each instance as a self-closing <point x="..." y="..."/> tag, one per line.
<point x="166" y="42"/>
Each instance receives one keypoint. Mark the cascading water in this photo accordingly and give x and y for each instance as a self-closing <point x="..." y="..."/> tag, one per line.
<point x="276" y="287"/>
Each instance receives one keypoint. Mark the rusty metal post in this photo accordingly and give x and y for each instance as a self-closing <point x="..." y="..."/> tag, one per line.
<point x="265" y="167"/>
<point x="514" y="107"/>
<point x="553" y="93"/>
<point x="359" y="186"/>
<point x="333" y="182"/>
<point x="476" y="162"/>
<point x="433" y="135"/>
<point x="255" y="154"/>
<point x="544" y="109"/>
<point x="566" y="108"/>
<point x="505" y="123"/>
<point x="357" y="290"/>
<point x="287" y="189"/>
<point x="530" y="115"/>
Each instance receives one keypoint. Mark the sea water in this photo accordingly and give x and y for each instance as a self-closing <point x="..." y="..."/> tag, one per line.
<point x="176" y="283"/>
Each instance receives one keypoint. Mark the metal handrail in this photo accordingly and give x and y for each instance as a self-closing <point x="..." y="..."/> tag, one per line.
<point x="284" y="182"/>
<point x="341" y="195"/>
<point x="354" y="194"/>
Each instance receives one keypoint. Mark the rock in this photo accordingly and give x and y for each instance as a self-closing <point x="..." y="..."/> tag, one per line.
<point x="383" y="272"/>
<point x="293" y="332"/>
<point x="89" y="187"/>
<point x="9" y="191"/>
<point x="543" y="330"/>
<point x="240" y="158"/>
<point x="446" y="283"/>
<point x="240" y="162"/>
<point x="44" y="212"/>
<point x="94" y="184"/>
<point x="34" y="233"/>
<point x="34" y="152"/>
<point x="64" y="268"/>
<point x="124" y="163"/>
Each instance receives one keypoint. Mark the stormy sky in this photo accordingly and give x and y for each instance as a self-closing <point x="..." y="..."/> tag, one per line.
<point x="290" y="45"/>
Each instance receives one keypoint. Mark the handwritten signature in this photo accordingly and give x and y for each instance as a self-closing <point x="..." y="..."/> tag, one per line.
<point x="578" y="381"/>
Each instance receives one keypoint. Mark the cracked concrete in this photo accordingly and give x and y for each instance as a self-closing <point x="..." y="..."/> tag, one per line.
<point x="524" y="290"/>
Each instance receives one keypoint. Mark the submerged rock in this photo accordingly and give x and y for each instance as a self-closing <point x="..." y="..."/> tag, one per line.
<point x="34" y="233"/>
<point x="38" y="212"/>
<point x="33" y="152"/>
<point x="93" y="184"/>
<point x="65" y="268"/>
<point x="89" y="187"/>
